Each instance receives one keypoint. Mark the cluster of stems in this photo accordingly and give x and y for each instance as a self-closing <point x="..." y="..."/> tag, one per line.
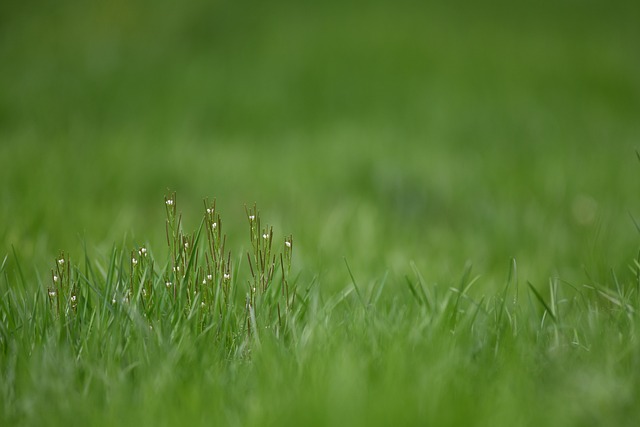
<point x="269" y="286"/>
<point x="197" y="281"/>
<point x="63" y="292"/>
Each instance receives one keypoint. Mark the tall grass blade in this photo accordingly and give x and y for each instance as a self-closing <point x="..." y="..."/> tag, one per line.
<point x="542" y="301"/>
<point x="355" y="285"/>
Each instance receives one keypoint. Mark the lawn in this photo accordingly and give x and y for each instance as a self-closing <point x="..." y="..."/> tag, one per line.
<point x="452" y="190"/>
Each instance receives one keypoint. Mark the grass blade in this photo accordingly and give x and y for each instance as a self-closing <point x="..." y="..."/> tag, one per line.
<point x="541" y="301"/>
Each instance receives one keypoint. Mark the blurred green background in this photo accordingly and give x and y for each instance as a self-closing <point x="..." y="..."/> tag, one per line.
<point x="384" y="132"/>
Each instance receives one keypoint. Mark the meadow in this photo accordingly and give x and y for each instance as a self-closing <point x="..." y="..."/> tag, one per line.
<point x="414" y="213"/>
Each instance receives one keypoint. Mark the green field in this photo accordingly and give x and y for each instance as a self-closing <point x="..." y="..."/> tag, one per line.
<point x="453" y="188"/>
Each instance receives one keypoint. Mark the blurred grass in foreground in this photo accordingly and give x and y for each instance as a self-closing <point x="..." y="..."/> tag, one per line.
<point x="135" y="340"/>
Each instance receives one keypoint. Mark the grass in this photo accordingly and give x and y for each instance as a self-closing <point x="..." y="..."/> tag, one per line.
<point x="457" y="184"/>
<point x="133" y="339"/>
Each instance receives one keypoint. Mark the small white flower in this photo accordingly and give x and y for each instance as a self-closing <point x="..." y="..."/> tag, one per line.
<point x="186" y="245"/>
<point x="134" y="261"/>
<point x="208" y="210"/>
<point x="214" y="225"/>
<point x="113" y="301"/>
<point x="169" y="202"/>
<point x="61" y="261"/>
<point x="287" y="243"/>
<point x="143" y="251"/>
<point x="73" y="298"/>
<point x="209" y="277"/>
<point x="226" y="276"/>
<point x="252" y="217"/>
<point x="52" y="293"/>
<point x="204" y="281"/>
<point x="265" y="236"/>
<point x="55" y="278"/>
<point x="202" y="304"/>
<point x="168" y="284"/>
<point x="144" y="292"/>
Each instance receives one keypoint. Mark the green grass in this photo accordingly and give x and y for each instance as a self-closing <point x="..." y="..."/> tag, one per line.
<point x="458" y="183"/>
<point x="201" y="337"/>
